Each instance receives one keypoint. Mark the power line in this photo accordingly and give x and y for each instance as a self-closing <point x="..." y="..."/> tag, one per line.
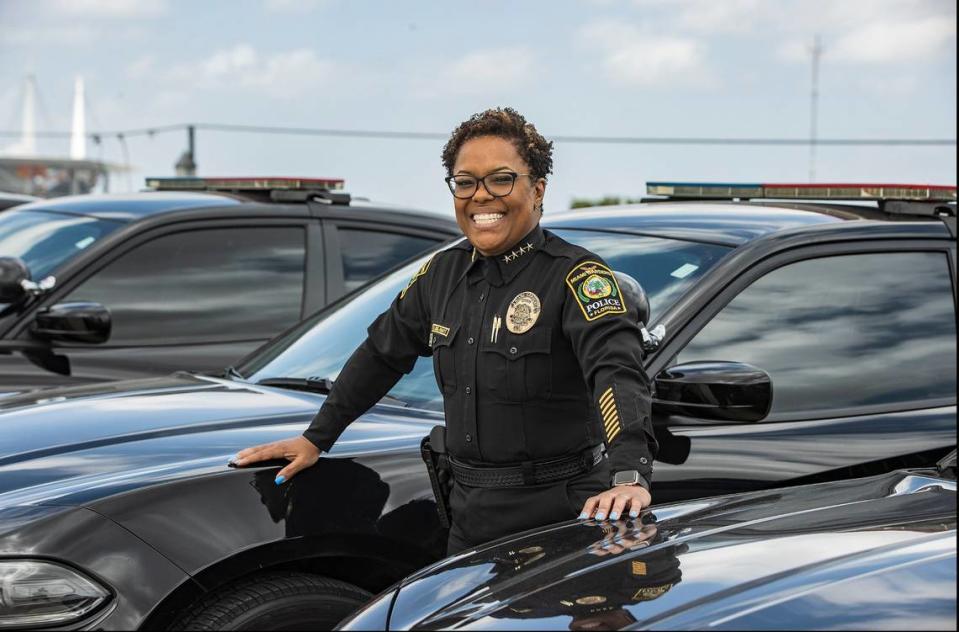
<point x="560" y="138"/>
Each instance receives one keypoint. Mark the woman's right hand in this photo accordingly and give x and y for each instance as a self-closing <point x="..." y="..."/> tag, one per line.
<point x="299" y="451"/>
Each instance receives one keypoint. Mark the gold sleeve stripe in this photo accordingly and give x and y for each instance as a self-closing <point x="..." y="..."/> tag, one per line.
<point x="606" y="396"/>
<point x="613" y="435"/>
<point x="612" y="421"/>
<point x="606" y="408"/>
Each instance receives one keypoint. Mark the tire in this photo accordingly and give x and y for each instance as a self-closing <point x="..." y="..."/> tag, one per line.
<point x="275" y="601"/>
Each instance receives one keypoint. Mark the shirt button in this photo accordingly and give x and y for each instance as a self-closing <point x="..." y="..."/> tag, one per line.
<point x="513" y="350"/>
<point x="469" y="437"/>
<point x="468" y="390"/>
<point x="470" y="340"/>
<point x="643" y="460"/>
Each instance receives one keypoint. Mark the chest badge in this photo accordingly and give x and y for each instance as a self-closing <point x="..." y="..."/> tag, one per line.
<point x="522" y="313"/>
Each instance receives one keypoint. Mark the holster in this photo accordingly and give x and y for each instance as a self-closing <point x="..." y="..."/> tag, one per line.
<point x="433" y="451"/>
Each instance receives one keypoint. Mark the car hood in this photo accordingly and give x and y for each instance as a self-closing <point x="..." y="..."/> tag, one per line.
<point x="698" y="564"/>
<point x="72" y="445"/>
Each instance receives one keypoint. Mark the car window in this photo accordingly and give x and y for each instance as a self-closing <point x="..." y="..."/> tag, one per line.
<point x="842" y="332"/>
<point x="202" y="286"/>
<point x="368" y="254"/>
<point x="44" y="240"/>
<point x="665" y="268"/>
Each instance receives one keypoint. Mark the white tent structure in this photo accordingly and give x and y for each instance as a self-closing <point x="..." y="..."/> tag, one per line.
<point x="23" y="170"/>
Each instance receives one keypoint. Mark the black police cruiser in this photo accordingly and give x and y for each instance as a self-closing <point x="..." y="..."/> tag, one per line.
<point x="193" y="275"/>
<point x="789" y="342"/>
<point x="870" y="553"/>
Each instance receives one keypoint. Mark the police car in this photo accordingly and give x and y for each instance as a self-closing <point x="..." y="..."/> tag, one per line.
<point x="192" y="275"/>
<point x="790" y="342"/>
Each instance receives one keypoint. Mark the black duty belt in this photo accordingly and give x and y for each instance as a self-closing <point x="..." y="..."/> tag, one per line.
<point x="527" y="473"/>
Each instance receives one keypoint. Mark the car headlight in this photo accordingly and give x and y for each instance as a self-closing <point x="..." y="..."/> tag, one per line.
<point x="36" y="593"/>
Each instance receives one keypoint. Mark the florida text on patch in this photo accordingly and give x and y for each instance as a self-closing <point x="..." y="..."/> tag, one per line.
<point x="596" y="290"/>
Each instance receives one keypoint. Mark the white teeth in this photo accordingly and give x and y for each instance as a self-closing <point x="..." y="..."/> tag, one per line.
<point x="487" y="218"/>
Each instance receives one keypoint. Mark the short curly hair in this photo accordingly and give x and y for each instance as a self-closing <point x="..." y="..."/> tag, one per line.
<point x="508" y="124"/>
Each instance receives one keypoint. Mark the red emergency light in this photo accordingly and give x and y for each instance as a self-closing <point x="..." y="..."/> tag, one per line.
<point x="244" y="184"/>
<point x="806" y="191"/>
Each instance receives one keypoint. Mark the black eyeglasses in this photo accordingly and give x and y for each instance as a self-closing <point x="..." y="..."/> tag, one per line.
<point x="498" y="184"/>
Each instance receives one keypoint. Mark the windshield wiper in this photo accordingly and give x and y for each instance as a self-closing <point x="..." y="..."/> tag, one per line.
<point x="322" y="385"/>
<point x="311" y="384"/>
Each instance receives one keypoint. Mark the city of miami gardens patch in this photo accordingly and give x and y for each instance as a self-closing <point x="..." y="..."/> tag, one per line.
<point x="596" y="290"/>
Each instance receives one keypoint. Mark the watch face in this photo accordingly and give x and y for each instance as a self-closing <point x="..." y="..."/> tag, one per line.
<point x="630" y="477"/>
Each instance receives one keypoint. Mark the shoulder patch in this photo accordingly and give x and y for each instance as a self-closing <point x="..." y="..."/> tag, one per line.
<point x="419" y="273"/>
<point x="596" y="291"/>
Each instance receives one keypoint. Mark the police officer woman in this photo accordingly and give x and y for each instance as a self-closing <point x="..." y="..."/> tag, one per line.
<point x="536" y="351"/>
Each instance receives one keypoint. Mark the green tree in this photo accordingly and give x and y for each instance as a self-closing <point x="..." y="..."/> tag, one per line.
<point x="607" y="200"/>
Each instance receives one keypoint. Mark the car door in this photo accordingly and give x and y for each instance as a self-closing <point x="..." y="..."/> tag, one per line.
<point x="357" y="252"/>
<point x="859" y="341"/>
<point x="193" y="296"/>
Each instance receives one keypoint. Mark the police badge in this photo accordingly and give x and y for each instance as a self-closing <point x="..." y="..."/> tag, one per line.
<point x="522" y="313"/>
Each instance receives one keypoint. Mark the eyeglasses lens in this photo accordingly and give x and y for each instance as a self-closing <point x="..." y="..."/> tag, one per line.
<point x="498" y="185"/>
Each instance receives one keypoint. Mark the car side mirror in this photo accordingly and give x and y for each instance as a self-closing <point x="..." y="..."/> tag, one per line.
<point x="74" y="322"/>
<point x="722" y="391"/>
<point x="13" y="273"/>
<point x="634" y="294"/>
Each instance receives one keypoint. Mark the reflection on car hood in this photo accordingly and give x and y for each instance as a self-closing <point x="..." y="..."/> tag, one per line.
<point x="70" y="445"/>
<point x="805" y="557"/>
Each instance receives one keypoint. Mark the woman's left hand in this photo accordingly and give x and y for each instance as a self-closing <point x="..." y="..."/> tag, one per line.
<point x="617" y="501"/>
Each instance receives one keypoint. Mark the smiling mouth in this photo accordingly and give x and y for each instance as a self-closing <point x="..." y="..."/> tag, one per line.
<point x="487" y="219"/>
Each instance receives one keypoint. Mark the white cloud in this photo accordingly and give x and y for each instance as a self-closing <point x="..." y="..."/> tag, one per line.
<point x="281" y="75"/>
<point x="707" y="16"/>
<point x="486" y="71"/>
<point x="633" y="56"/>
<point x="900" y="41"/>
<point x="49" y="36"/>
<point x="293" y="6"/>
<point x="111" y="8"/>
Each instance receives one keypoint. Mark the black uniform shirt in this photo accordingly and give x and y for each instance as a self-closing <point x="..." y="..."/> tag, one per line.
<point x="535" y="351"/>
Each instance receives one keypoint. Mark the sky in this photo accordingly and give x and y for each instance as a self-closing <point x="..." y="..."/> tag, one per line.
<point x="627" y="68"/>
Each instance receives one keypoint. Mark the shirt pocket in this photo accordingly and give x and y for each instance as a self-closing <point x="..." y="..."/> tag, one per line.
<point x="444" y="361"/>
<point x="519" y="366"/>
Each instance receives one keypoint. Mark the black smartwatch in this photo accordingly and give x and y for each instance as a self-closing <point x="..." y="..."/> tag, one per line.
<point x="630" y="477"/>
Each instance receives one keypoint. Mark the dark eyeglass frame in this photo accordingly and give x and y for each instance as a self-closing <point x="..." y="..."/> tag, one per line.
<point x="513" y="174"/>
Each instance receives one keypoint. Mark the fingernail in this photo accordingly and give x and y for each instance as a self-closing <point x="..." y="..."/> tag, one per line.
<point x="614" y="516"/>
<point x="600" y="516"/>
<point x="606" y="545"/>
<point x="634" y="514"/>
<point x="280" y="480"/>
<point x="583" y="516"/>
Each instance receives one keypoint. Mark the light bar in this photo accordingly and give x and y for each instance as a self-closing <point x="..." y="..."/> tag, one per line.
<point x="817" y="191"/>
<point x="244" y="184"/>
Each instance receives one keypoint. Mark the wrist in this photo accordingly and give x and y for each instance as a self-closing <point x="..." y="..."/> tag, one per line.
<point x="629" y="478"/>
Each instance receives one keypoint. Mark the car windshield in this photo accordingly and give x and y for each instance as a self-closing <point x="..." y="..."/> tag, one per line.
<point x="319" y="346"/>
<point x="45" y="240"/>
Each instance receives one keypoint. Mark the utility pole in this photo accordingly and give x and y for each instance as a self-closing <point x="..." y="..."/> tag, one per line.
<point x="186" y="165"/>
<point x="816" y="52"/>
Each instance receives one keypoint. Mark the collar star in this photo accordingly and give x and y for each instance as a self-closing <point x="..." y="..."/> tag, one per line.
<point x="515" y="254"/>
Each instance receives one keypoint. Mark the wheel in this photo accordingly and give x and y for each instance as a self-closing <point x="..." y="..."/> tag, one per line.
<point x="275" y="601"/>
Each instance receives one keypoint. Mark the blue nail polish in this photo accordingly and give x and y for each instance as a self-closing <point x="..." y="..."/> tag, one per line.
<point x="600" y="516"/>
<point x="280" y="480"/>
<point x="634" y="514"/>
<point x="583" y="516"/>
<point x="614" y="516"/>
<point x="606" y="545"/>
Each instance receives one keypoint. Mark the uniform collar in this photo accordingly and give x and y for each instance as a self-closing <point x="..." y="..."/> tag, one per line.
<point x="502" y="268"/>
